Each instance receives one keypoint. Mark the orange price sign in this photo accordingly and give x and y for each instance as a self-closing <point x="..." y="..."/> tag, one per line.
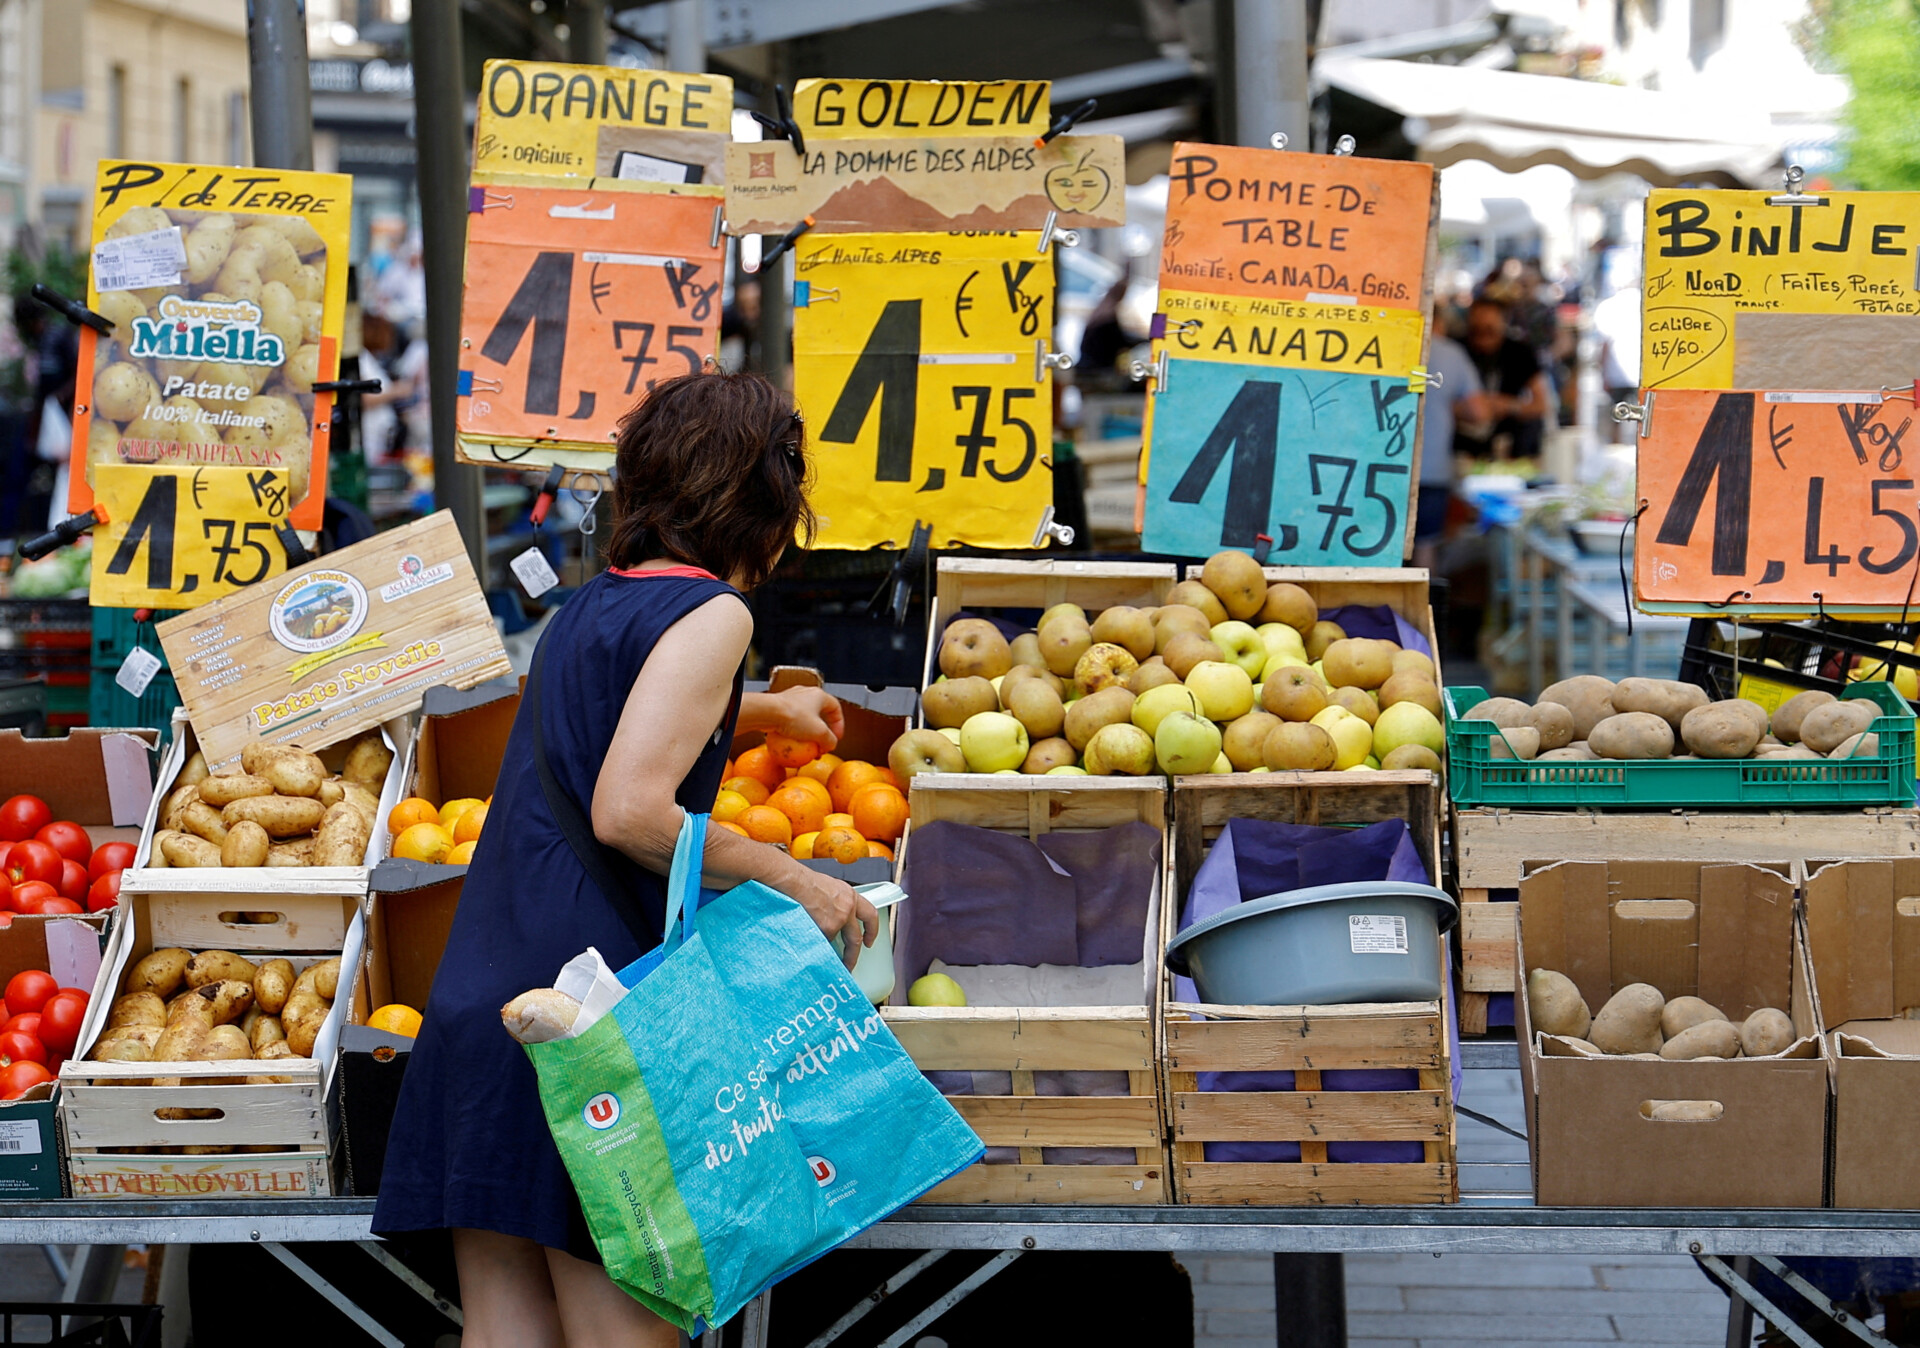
<point x="1791" y="500"/>
<point x="578" y="302"/>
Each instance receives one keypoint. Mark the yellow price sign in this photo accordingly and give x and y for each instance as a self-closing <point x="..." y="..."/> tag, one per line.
<point x="180" y="537"/>
<point x="918" y="364"/>
<point x="1292" y="334"/>
<point x="837" y="109"/>
<point x="574" y="121"/>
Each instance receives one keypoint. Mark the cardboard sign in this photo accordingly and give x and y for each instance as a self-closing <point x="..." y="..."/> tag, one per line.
<point x="574" y="121"/>
<point x="945" y="185"/>
<point x="577" y="302"/>
<point x="227" y="289"/>
<point x="1729" y="279"/>
<point x="1777" y="499"/>
<point x="917" y="365"/>
<point x="855" y="109"/>
<point x="1322" y="463"/>
<point x="179" y="537"/>
<point x="337" y="647"/>
<point x="1241" y="330"/>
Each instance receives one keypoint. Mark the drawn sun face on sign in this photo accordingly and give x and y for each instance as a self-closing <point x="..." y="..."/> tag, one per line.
<point x="1078" y="187"/>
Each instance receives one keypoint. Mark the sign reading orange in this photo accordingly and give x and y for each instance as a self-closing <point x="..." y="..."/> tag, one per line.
<point x="1801" y="499"/>
<point x="1278" y="225"/>
<point x="576" y="304"/>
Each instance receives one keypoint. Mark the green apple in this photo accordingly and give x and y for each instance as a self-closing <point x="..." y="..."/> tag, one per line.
<point x="993" y="740"/>
<point x="1156" y="704"/>
<point x="1278" y="660"/>
<point x="952" y="732"/>
<point x="936" y="990"/>
<point x="1362" y="767"/>
<point x="1352" y="741"/>
<point x="1221" y="764"/>
<point x="1225" y="690"/>
<point x="1186" y="743"/>
<point x="1408" y="723"/>
<point x="1278" y="637"/>
<point x="1121" y="749"/>
<point x="1065" y="770"/>
<point x="1241" y="645"/>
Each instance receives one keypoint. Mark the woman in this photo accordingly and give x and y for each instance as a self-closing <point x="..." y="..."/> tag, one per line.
<point x="639" y="701"/>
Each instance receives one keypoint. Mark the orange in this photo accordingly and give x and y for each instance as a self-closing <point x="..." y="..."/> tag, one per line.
<point x="879" y="811"/>
<point x="765" y="824"/>
<point x="807" y="811"/>
<point x="802" y="846"/>
<point x="789" y="752"/>
<point x="752" y="788"/>
<point x="759" y="765"/>
<point x="467" y="827"/>
<point x="888" y="776"/>
<point x="396" y="1019"/>
<point x="731" y="826"/>
<point x="461" y="854"/>
<point x="413" y="810"/>
<point x="879" y="849"/>
<point x="423" y="842"/>
<point x="839" y="818"/>
<point x="728" y="805"/>
<point x="848" y="778"/>
<point x="821" y="769"/>
<point x="841" y="844"/>
<point x="450" y="812"/>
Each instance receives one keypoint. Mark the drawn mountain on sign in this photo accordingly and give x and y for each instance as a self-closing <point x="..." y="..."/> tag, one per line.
<point x="883" y="204"/>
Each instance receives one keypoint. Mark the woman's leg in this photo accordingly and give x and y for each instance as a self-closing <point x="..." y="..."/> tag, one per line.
<point x="506" y="1293"/>
<point x="596" y="1314"/>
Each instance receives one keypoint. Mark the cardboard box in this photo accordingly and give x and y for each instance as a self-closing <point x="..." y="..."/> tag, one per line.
<point x="1863" y="938"/>
<point x="1722" y="932"/>
<point x="876" y="717"/>
<point x="101" y="779"/>
<point x="455" y="751"/>
<point x="69" y="948"/>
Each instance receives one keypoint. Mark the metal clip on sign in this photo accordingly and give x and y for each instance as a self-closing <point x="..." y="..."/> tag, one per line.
<point x="1062" y="533"/>
<point x="1345" y="146"/>
<point x="1157" y="371"/>
<point x="1640" y="412"/>
<point x="1793" y="196"/>
<point x="1278" y="140"/>
<point x="1044" y="360"/>
<point x="1049" y="234"/>
<point x="1420" y="379"/>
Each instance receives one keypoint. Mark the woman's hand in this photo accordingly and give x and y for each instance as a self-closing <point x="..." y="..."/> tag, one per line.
<point x="799" y="713"/>
<point x="836" y="908"/>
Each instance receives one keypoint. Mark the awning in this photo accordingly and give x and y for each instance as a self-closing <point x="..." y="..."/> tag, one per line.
<point x="1514" y="121"/>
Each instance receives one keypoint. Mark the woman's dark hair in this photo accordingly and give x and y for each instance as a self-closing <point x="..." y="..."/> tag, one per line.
<point x="711" y="470"/>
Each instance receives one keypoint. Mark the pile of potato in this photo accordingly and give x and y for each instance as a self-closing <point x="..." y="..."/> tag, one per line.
<point x="1587" y="718"/>
<point x="1638" y="1022"/>
<point x="215" y="1006"/>
<point x="280" y="807"/>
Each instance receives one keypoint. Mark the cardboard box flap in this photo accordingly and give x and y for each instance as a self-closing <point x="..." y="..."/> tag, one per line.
<point x="1567" y="905"/>
<point x="443" y="699"/>
<point x="1746" y="921"/>
<point x="1850" y="928"/>
<point x="1877" y="1039"/>
<point x="398" y="875"/>
<point x="92" y="775"/>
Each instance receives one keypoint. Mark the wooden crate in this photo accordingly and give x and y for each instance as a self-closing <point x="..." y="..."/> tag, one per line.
<point x="1304" y="1040"/>
<point x="1025" y="1040"/>
<point x="281" y="1132"/>
<point x="1405" y="590"/>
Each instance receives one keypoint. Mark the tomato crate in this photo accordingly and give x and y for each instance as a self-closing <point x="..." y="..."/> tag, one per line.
<point x="1476" y="778"/>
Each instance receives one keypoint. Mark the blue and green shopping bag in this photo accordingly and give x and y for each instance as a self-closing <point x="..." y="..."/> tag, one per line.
<point x="743" y="1109"/>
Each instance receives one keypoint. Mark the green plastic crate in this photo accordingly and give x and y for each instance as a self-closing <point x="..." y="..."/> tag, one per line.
<point x="115" y="634"/>
<point x="109" y="704"/>
<point x="1475" y="778"/>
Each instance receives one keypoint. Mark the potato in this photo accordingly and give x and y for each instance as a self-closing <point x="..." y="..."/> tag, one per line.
<point x="1502" y="711"/>
<point x="213" y="966"/>
<point x="225" y="1043"/>
<point x="1683" y="1013"/>
<point x="221" y="790"/>
<point x="246" y="845"/>
<point x="185" y="1035"/>
<point x="1630" y="1021"/>
<point x="144" y="1007"/>
<point x="280" y="816"/>
<point x="298" y="852"/>
<point x="1632" y="735"/>
<point x="309" y="283"/>
<point x="208" y="242"/>
<point x="1717" y="730"/>
<point x="1862" y="746"/>
<point x="1520" y="741"/>
<point x="272" y="982"/>
<point x="139" y="220"/>
<point x="323" y="978"/>
<point x="1555" y="1006"/>
<point x="266" y="1030"/>
<point x="203" y="821"/>
<point x="367" y="762"/>
<point x="230" y="998"/>
<point x="1668" y="699"/>
<point x="1555" y="724"/>
<point x="1766" y="1032"/>
<point x="162" y="973"/>
<point x="342" y="837"/>
<point x="125" y="1049"/>
<point x="123" y="391"/>
<point x="277" y="1051"/>
<point x="254" y="757"/>
<point x="120" y="308"/>
<point x="332" y="792"/>
<point x="1581" y="1047"/>
<point x="362" y="800"/>
<point x="1827" y="727"/>
<point x="1787" y="720"/>
<point x="1708" y="1039"/>
<point x="1573" y="753"/>
<point x="194" y="771"/>
<point x="1587" y="696"/>
<point x="173" y="815"/>
<point x="296" y="774"/>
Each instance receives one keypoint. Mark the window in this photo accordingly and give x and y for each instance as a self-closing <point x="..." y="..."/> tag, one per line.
<point x="237" y="127"/>
<point x="183" y="121"/>
<point x="117" y="112"/>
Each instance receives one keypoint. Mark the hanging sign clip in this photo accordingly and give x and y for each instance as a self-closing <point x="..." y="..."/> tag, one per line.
<point x="1793" y="196"/>
<point x="1640" y="412"/>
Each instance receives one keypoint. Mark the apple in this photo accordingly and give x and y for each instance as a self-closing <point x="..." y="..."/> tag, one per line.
<point x="1408" y="723"/>
<point x="1154" y="705"/>
<point x="1220" y="765"/>
<point x="1277" y="637"/>
<point x="1241" y="645"/>
<point x="1122" y="749"/>
<point x="920" y="751"/>
<point x="992" y="740"/>
<point x="935" y="990"/>
<point x="1065" y="770"/>
<point x="1225" y="691"/>
<point x="1278" y="660"/>
<point x="1185" y="743"/>
<point x="1352" y="737"/>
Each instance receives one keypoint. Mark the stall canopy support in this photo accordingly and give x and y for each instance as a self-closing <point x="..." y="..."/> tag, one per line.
<point x="282" y="98"/>
<point x="587" y="32"/>
<point x="1270" y="71"/>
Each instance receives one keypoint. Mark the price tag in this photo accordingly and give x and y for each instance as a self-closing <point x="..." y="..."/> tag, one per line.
<point x="137" y="671"/>
<point x="534" y="572"/>
<point x="136" y="261"/>
<point x="179" y="537"/>
<point x="1760" y="499"/>
<point x="917" y="359"/>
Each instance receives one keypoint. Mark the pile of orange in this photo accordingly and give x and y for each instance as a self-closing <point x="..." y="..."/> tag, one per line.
<point x="789" y="794"/>
<point x="423" y="831"/>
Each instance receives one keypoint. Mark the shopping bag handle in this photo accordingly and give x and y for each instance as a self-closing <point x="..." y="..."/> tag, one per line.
<point x="683" y="880"/>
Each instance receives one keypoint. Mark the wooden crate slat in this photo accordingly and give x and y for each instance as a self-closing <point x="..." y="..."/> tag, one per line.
<point x="1306" y="1043"/>
<point x="279" y="1175"/>
<point x="1062" y="1121"/>
<point x="1024" y="1043"/>
<point x="1486" y="946"/>
<point x="1316" y="1185"/>
<point x="1010" y="803"/>
<point x="1102" y="1185"/>
<point x="1295" y="1116"/>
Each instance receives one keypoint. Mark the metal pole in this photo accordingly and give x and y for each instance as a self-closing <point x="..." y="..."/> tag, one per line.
<point x="587" y="32"/>
<point x="686" y="40"/>
<point x="1270" y="72"/>
<point x="440" y="135"/>
<point x="281" y="102"/>
<point x="1310" y="1300"/>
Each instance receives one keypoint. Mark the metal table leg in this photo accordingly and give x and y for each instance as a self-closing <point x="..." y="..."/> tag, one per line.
<point x="905" y="1334"/>
<point x="1310" y="1300"/>
<point x="341" y="1301"/>
<point x="1739" y="1313"/>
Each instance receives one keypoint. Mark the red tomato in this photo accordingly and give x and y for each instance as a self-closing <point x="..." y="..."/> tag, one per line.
<point x="6" y="894"/>
<point x="60" y="1019"/>
<point x="29" y="990"/>
<point x="105" y="892"/>
<point x="22" y="817"/>
<point x="18" y="1078"/>
<point x="34" y="860"/>
<point x="68" y="839"/>
<point x="27" y="898"/>
<point x="59" y="905"/>
<point x="73" y="881"/>
<point x="113" y="856"/>
<point x="6" y="920"/>
<point x="28" y="1021"/>
<point x="19" y="1046"/>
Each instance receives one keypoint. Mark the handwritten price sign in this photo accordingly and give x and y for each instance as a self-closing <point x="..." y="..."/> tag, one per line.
<point x="576" y="304"/>
<point x="917" y="363"/>
<point x="179" y="537"/>
<point x="1777" y="499"/>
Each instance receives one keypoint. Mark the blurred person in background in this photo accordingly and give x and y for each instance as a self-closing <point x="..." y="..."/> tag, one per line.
<point x="1616" y="322"/>
<point x="1516" y="394"/>
<point x="1458" y="396"/>
<point x="1106" y="339"/>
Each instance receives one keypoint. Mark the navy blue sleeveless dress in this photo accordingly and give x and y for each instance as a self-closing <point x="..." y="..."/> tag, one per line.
<point x="470" y="1146"/>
